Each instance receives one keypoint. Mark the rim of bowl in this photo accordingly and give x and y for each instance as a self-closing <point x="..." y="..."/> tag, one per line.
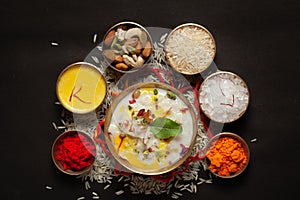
<point x="244" y="84"/>
<point x="123" y="161"/>
<point x="201" y="27"/>
<point x="236" y="137"/>
<point x="134" y="24"/>
<point x="66" y="69"/>
<point x="53" y="151"/>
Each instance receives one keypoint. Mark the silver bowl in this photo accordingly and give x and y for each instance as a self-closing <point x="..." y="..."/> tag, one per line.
<point x="114" y="112"/>
<point x="237" y="138"/>
<point x="54" y="152"/>
<point x="113" y="55"/>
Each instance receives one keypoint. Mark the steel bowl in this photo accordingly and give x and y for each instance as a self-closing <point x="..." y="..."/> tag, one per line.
<point x="114" y="112"/>
<point x="203" y="98"/>
<point x="107" y="47"/>
<point x="171" y="57"/>
<point x="64" y="93"/>
<point x="236" y="137"/>
<point x="55" y="150"/>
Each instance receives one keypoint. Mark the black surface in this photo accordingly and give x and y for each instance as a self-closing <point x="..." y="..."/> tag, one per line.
<point x="258" y="40"/>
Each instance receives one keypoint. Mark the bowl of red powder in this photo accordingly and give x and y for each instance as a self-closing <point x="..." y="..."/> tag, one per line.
<point x="74" y="152"/>
<point x="227" y="155"/>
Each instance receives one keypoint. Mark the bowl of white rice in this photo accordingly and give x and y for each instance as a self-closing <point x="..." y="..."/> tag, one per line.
<point x="190" y="48"/>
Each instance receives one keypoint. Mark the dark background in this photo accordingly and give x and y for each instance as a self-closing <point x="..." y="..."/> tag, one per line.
<point x="258" y="40"/>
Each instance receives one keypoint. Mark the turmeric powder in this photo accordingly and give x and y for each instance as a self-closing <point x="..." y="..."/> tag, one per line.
<point x="227" y="156"/>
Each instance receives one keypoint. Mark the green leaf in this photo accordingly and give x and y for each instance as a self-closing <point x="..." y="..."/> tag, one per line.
<point x="164" y="128"/>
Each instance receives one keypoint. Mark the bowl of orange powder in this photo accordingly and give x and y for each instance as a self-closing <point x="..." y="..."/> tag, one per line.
<point x="74" y="152"/>
<point x="227" y="155"/>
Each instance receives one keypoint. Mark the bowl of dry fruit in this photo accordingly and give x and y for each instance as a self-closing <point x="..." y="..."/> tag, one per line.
<point x="127" y="46"/>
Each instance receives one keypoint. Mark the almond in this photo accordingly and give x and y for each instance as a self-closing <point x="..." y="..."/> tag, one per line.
<point x="119" y="58"/>
<point x="147" y="50"/>
<point x="122" y="66"/>
<point x="109" y="37"/>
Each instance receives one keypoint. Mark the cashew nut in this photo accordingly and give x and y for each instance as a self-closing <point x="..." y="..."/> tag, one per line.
<point x="136" y="32"/>
<point x="130" y="61"/>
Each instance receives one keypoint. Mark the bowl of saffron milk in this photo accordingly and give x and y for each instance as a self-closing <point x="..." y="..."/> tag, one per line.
<point x="81" y="87"/>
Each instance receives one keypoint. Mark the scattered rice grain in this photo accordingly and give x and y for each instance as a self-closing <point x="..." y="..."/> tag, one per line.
<point x="94" y="193"/>
<point x="177" y="193"/>
<point x="188" y="189"/>
<point x="208" y="181"/>
<point x="99" y="48"/>
<point x="54" y="43"/>
<point x="48" y="187"/>
<point x="80" y="198"/>
<point x="161" y="45"/>
<point x="54" y="125"/>
<point x="163" y="38"/>
<point x="63" y="122"/>
<point x="96" y="197"/>
<point x="95" y="59"/>
<point x="61" y="127"/>
<point x="121" y="178"/>
<point x="107" y="186"/>
<point x="253" y="140"/>
<point x="95" y="38"/>
<point x="119" y="192"/>
<point x="87" y="185"/>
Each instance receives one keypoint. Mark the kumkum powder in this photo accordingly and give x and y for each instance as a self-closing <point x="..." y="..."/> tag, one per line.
<point x="75" y="152"/>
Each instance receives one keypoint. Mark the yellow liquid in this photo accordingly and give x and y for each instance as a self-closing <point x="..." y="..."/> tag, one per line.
<point x="126" y="149"/>
<point x="81" y="88"/>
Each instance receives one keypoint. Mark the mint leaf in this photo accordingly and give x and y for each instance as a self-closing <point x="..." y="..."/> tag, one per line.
<point x="163" y="128"/>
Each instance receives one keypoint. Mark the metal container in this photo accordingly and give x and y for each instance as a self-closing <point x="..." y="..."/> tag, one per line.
<point x="112" y="112"/>
<point x="236" y="137"/>
<point x="55" y="150"/>
<point x="186" y="65"/>
<point x="235" y="111"/>
<point x="126" y="25"/>
<point x="77" y="79"/>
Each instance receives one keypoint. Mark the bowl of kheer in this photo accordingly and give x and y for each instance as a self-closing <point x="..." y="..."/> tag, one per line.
<point x="150" y="128"/>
